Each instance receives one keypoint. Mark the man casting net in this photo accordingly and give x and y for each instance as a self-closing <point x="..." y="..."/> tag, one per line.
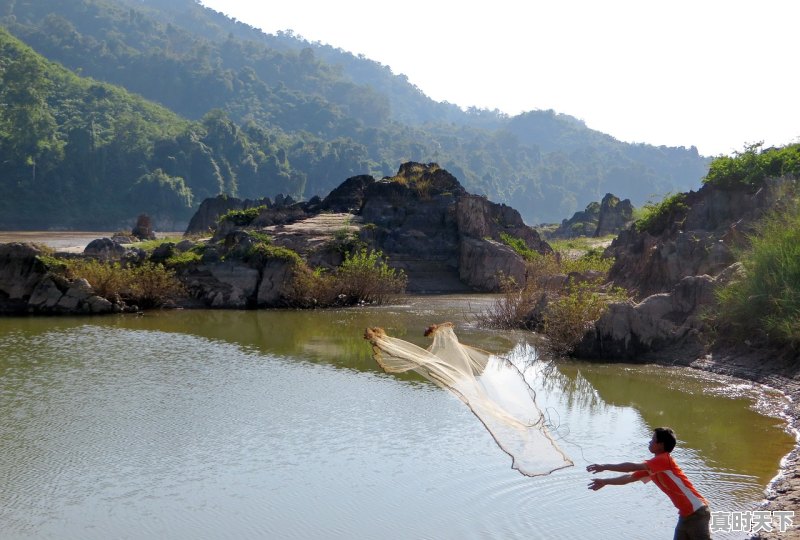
<point x="492" y="387"/>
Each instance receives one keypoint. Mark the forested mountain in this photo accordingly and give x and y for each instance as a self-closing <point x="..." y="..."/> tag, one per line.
<point x="252" y="115"/>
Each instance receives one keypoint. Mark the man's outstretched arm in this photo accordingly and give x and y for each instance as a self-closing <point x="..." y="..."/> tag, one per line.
<point x="616" y="467"/>
<point x="598" y="483"/>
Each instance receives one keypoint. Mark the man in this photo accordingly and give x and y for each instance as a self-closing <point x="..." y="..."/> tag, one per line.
<point x="693" y="512"/>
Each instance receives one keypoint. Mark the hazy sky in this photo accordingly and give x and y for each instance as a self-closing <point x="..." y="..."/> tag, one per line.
<point x="715" y="74"/>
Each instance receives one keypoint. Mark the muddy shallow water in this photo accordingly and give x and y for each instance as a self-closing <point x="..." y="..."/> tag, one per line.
<point x="278" y="424"/>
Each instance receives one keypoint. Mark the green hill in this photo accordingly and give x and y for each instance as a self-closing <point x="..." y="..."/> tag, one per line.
<point x="319" y="115"/>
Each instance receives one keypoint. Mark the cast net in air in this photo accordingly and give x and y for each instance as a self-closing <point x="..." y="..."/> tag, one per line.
<point x="492" y="387"/>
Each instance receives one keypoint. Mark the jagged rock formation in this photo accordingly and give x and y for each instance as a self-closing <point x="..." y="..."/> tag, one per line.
<point x="205" y="219"/>
<point x="672" y="272"/>
<point x="614" y="215"/>
<point x="422" y="219"/>
<point x="610" y="216"/>
<point x="26" y="286"/>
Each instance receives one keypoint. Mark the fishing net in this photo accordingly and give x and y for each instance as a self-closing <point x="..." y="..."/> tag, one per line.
<point x="493" y="388"/>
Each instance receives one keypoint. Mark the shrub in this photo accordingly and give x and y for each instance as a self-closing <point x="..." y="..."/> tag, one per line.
<point x="752" y="166"/>
<point x="150" y="245"/>
<point x="562" y="315"/>
<point x="184" y="259"/>
<point x="765" y="303"/>
<point x="153" y="285"/>
<point x="261" y="252"/>
<point x="148" y="285"/>
<point x="519" y="246"/>
<point x="514" y="308"/>
<point x="242" y="218"/>
<point x="312" y="288"/>
<point x="365" y="276"/>
<point x="591" y="261"/>
<point x="568" y="317"/>
<point x="656" y="217"/>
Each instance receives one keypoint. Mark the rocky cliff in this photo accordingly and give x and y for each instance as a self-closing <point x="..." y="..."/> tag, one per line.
<point x="672" y="268"/>
<point x="443" y="238"/>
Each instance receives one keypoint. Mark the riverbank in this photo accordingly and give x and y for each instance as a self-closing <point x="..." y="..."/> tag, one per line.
<point x="782" y="374"/>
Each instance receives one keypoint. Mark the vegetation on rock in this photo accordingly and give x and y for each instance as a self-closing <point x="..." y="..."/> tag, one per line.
<point x="146" y="285"/>
<point x="763" y="305"/>
<point x="655" y="217"/>
<point x="561" y="298"/>
<point x="363" y="277"/>
<point x="752" y="166"/>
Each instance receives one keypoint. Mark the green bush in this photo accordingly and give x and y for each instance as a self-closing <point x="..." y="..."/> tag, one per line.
<point x="184" y="258"/>
<point x="261" y="252"/>
<point x="568" y="317"/>
<point x="242" y="218"/>
<point x="752" y="166"/>
<point x="365" y="276"/>
<point x="656" y="217"/>
<point x="519" y="246"/>
<point x="561" y="315"/>
<point x="148" y="285"/>
<point x="765" y="303"/>
<point x="591" y="261"/>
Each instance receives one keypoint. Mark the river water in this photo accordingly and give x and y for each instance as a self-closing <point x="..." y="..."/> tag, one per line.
<point x="278" y="424"/>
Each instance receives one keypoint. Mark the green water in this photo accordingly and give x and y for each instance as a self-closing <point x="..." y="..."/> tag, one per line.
<point x="278" y="424"/>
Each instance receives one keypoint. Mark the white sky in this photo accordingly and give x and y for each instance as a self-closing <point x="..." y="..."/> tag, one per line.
<point x="715" y="74"/>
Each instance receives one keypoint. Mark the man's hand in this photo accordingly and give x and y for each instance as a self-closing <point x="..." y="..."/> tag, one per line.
<point x="596" y="484"/>
<point x="595" y="468"/>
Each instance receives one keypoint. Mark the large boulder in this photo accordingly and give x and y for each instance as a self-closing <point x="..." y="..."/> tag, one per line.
<point x="105" y="249"/>
<point x="235" y="284"/>
<point x="662" y="325"/>
<point x="484" y="263"/>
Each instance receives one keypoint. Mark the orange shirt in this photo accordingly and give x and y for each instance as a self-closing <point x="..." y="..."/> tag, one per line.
<point x="666" y="474"/>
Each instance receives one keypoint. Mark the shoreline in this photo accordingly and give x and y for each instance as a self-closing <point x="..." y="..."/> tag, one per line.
<point x="783" y="491"/>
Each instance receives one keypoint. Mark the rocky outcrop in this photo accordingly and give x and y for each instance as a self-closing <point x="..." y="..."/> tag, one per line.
<point x="483" y="258"/>
<point x="615" y="215"/>
<point x="610" y="216"/>
<point x="422" y="219"/>
<point x="443" y="238"/>
<point x="27" y="287"/>
<point x="662" y="325"/>
<point x="205" y="219"/>
<point x="231" y="276"/>
<point x="697" y="240"/>
<point x="673" y="270"/>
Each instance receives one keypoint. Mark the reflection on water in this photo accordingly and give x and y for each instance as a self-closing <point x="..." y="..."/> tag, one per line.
<point x="278" y="424"/>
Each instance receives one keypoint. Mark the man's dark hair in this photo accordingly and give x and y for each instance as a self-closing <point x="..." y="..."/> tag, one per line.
<point x="666" y="436"/>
